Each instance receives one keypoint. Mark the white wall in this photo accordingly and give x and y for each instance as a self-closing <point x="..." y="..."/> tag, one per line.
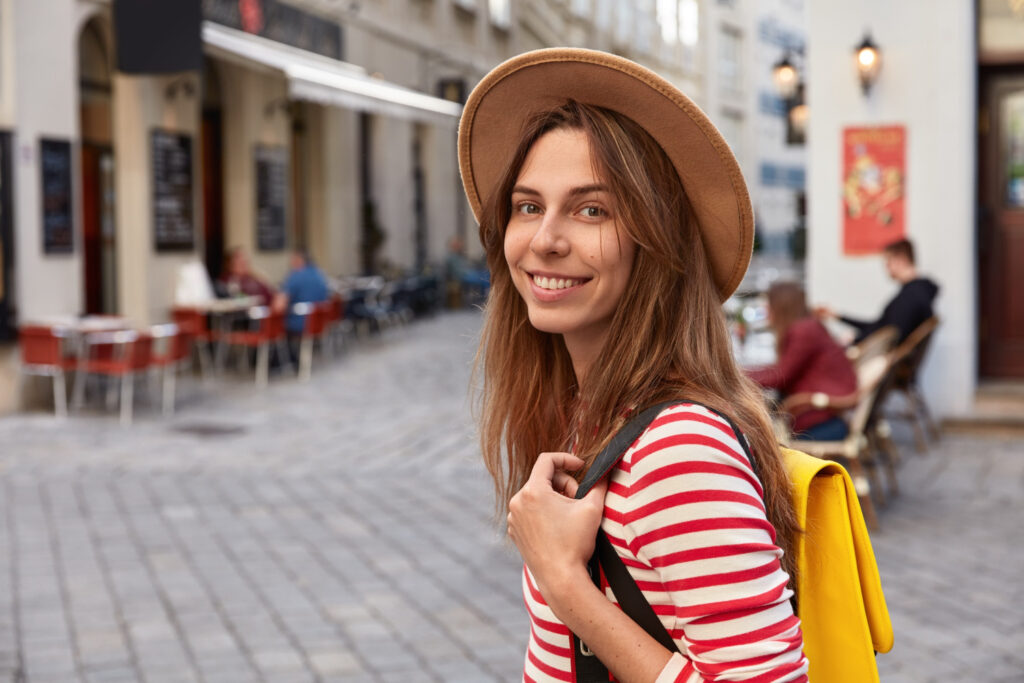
<point x="927" y="83"/>
<point x="45" y="42"/>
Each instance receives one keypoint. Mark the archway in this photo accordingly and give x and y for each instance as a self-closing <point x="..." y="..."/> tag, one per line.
<point x="97" y="161"/>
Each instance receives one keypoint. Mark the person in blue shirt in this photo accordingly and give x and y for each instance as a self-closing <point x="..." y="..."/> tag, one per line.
<point x="305" y="283"/>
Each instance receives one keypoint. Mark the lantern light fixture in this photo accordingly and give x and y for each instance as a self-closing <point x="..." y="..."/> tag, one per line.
<point x="786" y="77"/>
<point x="869" y="62"/>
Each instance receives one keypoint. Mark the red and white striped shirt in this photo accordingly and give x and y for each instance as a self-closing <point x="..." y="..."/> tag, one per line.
<point x="685" y="513"/>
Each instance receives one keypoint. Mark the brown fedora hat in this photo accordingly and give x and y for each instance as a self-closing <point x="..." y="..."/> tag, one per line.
<point x="496" y="110"/>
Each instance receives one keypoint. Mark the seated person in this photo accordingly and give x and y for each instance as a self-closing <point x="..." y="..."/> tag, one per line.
<point x="238" y="278"/>
<point x="809" y="361"/>
<point x="305" y="283"/>
<point x="909" y="308"/>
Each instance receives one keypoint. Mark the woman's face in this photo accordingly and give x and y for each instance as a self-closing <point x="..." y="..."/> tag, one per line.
<point x="567" y="260"/>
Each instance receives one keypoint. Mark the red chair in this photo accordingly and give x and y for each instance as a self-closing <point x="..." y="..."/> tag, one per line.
<point x="122" y="355"/>
<point x="268" y="331"/>
<point x="194" y="323"/>
<point x="317" y="317"/>
<point x="42" y="353"/>
<point x="172" y="348"/>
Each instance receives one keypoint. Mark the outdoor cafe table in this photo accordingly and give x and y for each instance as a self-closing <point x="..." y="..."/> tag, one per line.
<point x="223" y="313"/>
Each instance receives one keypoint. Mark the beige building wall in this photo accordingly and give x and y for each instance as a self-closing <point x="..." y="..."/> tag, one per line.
<point x="253" y="114"/>
<point x="146" y="277"/>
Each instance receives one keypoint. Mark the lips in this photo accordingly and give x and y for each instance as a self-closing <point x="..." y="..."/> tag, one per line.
<point x="556" y="283"/>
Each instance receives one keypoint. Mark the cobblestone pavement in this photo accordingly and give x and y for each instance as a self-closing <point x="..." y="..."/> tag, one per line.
<point x="341" y="530"/>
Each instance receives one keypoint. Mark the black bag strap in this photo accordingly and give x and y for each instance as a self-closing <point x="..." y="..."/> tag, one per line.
<point x="589" y="668"/>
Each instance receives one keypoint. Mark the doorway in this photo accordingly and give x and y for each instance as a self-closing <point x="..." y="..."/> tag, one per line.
<point x="97" y="172"/>
<point x="1001" y="224"/>
<point x="212" y="150"/>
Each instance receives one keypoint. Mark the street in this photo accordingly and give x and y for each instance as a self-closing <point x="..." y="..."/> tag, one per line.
<point x="344" y="530"/>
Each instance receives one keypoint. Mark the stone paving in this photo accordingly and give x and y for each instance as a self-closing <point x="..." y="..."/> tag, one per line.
<point x="342" y="530"/>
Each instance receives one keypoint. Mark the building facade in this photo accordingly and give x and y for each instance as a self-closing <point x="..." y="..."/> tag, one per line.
<point x="949" y="84"/>
<point x="305" y="123"/>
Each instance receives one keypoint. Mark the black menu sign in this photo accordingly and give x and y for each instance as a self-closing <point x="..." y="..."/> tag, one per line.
<point x="271" y="197"/>
<point x="173" y="227"/>
<point x="58" y="223"/>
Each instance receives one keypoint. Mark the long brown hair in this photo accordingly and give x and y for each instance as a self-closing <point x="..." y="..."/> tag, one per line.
<point x="787" y="304"/>
<point x="667" y="340"/>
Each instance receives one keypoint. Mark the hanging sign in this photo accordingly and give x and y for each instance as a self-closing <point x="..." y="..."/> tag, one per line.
<point x="874" y="188"/>
<point x="58" y="222"/>
<point x="271" y="197"/>
<point x="173" y="225"/>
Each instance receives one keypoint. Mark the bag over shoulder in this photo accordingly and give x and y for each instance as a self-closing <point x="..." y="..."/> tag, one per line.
<point x="839" y="593"/>
<point x="839" y="597"/>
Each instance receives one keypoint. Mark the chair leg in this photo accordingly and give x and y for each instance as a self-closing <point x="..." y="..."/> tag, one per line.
<point x="170" y="375"/>
<point x="205" y="360"/>
<point x="78" y="393"/>
<point x="262" y="364"/>
<point x="127" y="397"/>
<point x="306" y="359"/>
<point x="111" y="392"/>
<point x="925" y="413"/>
<point x="60" y="397"/>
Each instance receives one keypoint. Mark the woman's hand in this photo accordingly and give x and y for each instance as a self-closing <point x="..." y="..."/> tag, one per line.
<point x="554" y="532"/>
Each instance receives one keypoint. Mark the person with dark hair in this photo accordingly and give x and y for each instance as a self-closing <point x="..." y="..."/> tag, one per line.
<point x="809" y="362"/>
<point x="911" y="306"/>
<point x="305" y="283"/>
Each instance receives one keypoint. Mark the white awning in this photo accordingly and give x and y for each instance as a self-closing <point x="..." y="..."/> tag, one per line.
<point x="327" y="81"/>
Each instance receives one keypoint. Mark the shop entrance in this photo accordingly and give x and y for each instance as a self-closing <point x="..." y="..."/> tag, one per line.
<point x="1001" y="228"/>
<point x="213" y="173"/>
<point x="97" y="165"/>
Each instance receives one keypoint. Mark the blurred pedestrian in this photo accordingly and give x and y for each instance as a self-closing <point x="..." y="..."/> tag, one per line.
<point x="304" y="284"/>
<point x="239" y="279"/>
<point x="608" y="273"/>
<point x="810" y="363"/>
<point x="911" y="306"/>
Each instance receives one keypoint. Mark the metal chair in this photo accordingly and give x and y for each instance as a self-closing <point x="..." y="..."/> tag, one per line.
<point x="317" y="316"/>
<point x="120" y="354"/>
<point x="42" y="354"/>
<point x="268" y="331"/>
<point x="172" y="349"/>
<point x="855" y="450"/>
<point x="907" y="359"/>
<point x="193" y="322"/>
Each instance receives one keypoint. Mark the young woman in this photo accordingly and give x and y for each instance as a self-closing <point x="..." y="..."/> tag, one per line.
<point x="615" y="221"/>
<point x="810" y="362"/>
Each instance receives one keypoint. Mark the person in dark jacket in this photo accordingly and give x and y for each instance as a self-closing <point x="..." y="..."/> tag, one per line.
<point x="911" y="306"/>
<point x="809" y="362"/>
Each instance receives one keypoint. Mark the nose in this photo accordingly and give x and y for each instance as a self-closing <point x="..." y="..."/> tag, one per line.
<point x="549" y="240"/>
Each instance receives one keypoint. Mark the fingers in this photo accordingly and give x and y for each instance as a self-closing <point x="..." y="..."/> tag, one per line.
<point x="595" y="496"/>
<point x="548" y="463"/>
<point x="565" y="484"/>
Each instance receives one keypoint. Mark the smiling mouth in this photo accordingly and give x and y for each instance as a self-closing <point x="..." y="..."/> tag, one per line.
<point x="556" y="283"/>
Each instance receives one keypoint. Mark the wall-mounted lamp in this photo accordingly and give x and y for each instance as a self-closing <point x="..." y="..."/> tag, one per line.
<point x="790" y="87"/>
<point x="786" y="77"/>
<point x="181" y="84"/>
<point x="869" y="62"/>
<point x="280" y="105"/>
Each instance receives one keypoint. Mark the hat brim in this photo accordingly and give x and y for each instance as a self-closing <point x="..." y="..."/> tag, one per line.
<point x="496" y="110"/>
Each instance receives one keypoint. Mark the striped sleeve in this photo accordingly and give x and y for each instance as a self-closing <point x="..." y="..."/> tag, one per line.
<point x="693" y="517"/>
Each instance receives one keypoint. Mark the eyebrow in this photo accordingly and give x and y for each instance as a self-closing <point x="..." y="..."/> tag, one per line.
<point x="574" y="192"/>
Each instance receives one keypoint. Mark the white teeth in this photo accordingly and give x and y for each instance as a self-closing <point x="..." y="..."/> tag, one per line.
<point x="554" y="283"/>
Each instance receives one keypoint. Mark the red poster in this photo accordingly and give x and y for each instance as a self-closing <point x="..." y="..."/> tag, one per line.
<point x="874" y="188"/>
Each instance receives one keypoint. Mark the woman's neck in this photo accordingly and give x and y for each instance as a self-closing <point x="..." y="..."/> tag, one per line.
<point x="583" y="350"/>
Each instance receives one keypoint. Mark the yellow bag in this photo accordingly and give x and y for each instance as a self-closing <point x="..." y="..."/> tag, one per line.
<point x="839" y="595"/>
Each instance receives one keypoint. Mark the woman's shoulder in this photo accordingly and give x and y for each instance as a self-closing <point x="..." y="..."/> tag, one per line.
<point x="686" y="432"/>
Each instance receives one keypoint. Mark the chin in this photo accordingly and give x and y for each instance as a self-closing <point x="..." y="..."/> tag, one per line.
<point x="550" y="323"/>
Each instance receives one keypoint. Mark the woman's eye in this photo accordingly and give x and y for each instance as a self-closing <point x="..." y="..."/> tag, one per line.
<point x="528" y="209"/>
<point x="593" y="212"/>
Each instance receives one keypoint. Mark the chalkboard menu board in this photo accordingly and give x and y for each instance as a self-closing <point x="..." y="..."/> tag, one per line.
<point x="271" y="197"/>
<point x="173" y="227"/>
<point x="58" y="224"/>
